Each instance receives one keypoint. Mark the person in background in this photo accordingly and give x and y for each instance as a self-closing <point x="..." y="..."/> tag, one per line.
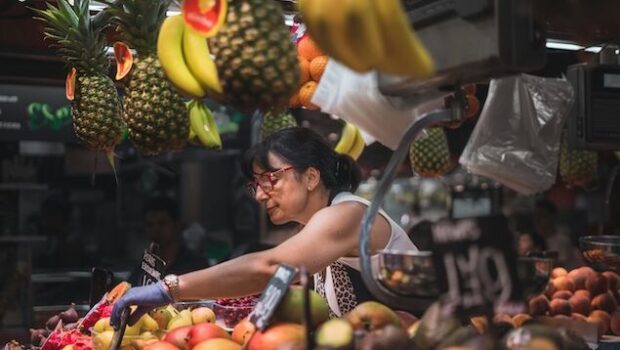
<point x="529" y="242"/>
<point x="163" y="227"/>
<point x="297" y="177"/>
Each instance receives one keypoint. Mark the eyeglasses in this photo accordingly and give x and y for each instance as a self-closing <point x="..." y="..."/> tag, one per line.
<point x="266" y="181"/>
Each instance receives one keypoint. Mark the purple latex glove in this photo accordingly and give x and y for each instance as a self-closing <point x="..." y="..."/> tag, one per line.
<point x="146" y="298"/>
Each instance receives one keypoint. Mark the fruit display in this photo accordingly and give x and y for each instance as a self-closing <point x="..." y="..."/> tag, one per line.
<point x="366" y="35"/>
<point x="154" y="110"/>
<point x="351" y="141"/>
<point x="233" y="310"/>
<point x="312" y="62"/>
<point x="95" y="105"/>
<point x="255" y="57"/>
<point x="581" y="294"/>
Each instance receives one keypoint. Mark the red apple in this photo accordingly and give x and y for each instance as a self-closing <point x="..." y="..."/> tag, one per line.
<point x="217" y="344"/>
<point x="178" y="337"/>
<point x="204" y="331"/>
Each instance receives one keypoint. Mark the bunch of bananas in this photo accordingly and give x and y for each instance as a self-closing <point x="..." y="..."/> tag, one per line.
<point x="202" y="127"/>
<point x="366" y="35"/>
<point x="351" y="141"/>
<point x="184" y="56"/>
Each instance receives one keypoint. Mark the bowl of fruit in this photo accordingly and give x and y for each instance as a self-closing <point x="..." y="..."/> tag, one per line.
<point x="230" y="311"/>
<point x="601" y="252"/>
<point x="410" y="273"/>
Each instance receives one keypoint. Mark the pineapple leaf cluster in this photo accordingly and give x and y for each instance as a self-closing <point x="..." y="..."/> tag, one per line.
<point x="74" y="35"/>
<point x="138" y="22"/>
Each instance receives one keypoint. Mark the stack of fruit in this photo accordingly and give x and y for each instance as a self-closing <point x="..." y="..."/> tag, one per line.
<point x="582" y="294"/>
<point x="312" y="62"/>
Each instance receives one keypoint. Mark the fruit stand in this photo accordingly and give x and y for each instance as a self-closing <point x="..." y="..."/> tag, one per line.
<point x="468" y="289"/>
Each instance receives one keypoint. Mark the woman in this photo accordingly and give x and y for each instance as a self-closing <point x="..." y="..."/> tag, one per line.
<point x="298" y="177"/>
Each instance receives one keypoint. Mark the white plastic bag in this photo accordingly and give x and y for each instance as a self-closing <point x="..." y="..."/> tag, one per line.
<point x="355" y="98"/>
<point x="517" y="138"/>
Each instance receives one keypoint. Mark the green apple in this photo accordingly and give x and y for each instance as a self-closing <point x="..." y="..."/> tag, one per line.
<point x="291" y="307"/>
<point x="179" y="321"/>
<point x="336" y="333"/>
<point x="162" y="316"/>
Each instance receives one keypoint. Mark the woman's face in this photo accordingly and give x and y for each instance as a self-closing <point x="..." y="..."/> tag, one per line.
<point x="287" y="198"/>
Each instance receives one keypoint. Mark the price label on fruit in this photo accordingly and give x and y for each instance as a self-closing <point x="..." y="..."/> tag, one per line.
<point x="272" y="296"/>
<point x="152" y="268"/>
<point x="476" y="263"/>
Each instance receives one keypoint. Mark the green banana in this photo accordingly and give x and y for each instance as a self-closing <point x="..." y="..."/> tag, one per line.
<point x="404" y="53"/>
<point x="203" y="125"/>
<point x="170" y="54"/>
<point x="358" y="145"/>
<point x="347" y="138"/>
<point x="198" y="59"/>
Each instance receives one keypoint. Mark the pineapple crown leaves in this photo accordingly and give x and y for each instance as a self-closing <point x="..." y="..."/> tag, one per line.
<point x="76" y="39"/>
<point x="138" y="21"/>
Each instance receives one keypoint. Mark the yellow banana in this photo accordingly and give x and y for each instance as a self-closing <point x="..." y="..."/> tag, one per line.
<point x="170" y="54"/>
<point x="346" y="139"/>
<point x="404" y="53"/>
<point x="315" y="17"/>
<point x="333" y="27"/>
<point x="196" y="53"/>
<point x="358" y="145"/>
<point x="361" y="33"/>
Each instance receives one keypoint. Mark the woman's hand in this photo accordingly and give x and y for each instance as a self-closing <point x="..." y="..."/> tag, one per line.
<point x="146" y="298"/>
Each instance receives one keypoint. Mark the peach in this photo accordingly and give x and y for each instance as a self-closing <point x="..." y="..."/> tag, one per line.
<point x="538" y="305"/>
<point x="519" y="319"/>
<point x="602" y="319"/>
<point x="613" y="279"/>
<point x="579" y="276"/>
<point x="580" y="304"/>
<point x="558" y="271"/>
<point x="562" y="294"/>
<point x="578" y="317"/>
<point x="614" y="323"/>
<point x="583" y="293"/>
<point x="559" y="307"/>
<point x="605" y="302"/>
<point x="597" y="284"/>
<point x="563" y="283"/>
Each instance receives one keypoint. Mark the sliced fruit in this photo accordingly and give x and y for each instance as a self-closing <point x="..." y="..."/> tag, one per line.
<point x="70" y="84"/>
<point x="205" y="16"/>
<point x="124" y="59"/>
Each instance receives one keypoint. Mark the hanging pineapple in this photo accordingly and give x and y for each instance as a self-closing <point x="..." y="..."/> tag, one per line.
<point x="255" y="56"/>
<point x="274" y="121"/>
<point x="155" y="112"/>
<point x="577" y="167"/>
<point x="429" y="154"/>
<point x="95" y="106"/>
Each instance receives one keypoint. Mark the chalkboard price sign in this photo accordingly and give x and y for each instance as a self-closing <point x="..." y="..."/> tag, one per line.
<point x="152" y="267"/>
<point x="272" y="296"/>
<point x="478" y="261"/>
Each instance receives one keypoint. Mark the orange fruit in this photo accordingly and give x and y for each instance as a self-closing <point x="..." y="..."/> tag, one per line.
<point x="294" y="101"/>
<point x="304" y="68"/>
<point x="473" y="106"/>
<point x="307" y="48"/>
<point x="305" y="95"/>
<point x="317" y="67"/>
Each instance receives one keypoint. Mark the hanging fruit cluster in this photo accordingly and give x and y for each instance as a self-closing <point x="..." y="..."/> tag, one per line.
<point x="312" y="62"/>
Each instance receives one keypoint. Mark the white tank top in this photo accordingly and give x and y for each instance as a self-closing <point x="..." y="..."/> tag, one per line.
<point x="398" y="241"/>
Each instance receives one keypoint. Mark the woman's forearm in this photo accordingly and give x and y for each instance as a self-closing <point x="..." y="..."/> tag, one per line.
<point x="247" y="274"/>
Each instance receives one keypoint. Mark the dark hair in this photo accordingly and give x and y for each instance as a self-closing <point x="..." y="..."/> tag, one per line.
<point x="303" y="148"/>
<point x="421" y="234"/>
<point x="162" y="203"/>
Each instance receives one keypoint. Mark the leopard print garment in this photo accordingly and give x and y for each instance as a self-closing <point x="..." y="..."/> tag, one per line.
<point x="345" y="293"/>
